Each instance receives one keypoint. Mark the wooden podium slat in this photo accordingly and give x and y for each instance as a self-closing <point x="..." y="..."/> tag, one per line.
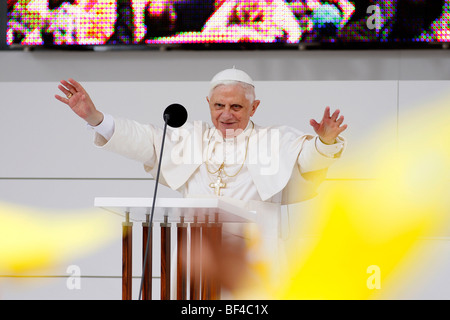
<point x="216" y="244"/>
<point x="165" y="260"/>
<point x="182" y="260"/>
<point x="147" y="281"/>
<point x="127" y="248"/>
<point x="205" y="268"/>
<point x="195" y="261"/>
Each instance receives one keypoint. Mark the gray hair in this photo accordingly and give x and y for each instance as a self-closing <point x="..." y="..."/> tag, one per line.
<point x="248" y="88"/>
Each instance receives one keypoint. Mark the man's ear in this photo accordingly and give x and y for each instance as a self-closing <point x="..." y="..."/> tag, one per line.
<point x="254" y="107"/>
<point x="207" y="99"/>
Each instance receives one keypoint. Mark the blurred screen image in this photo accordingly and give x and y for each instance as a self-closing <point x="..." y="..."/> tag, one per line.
<point x="146" y="22"/>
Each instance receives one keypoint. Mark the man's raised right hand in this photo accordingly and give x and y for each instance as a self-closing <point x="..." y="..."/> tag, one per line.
<point x="79" y="101"/>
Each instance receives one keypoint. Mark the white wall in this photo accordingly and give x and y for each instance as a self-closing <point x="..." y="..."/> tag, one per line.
<point x="267" y="65"/>
<point x="48" y="160"/>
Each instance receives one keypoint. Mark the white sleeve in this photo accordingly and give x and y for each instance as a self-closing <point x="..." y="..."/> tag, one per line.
<point x="105" y="128"/>
<point x="315" y="155"/>
<point x="132" y="140"/>
<point x="329" y="150"/>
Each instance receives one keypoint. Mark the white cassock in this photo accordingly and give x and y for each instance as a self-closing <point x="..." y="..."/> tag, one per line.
<point x="264" y="167"/>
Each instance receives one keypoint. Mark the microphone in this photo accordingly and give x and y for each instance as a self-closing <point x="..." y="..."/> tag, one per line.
<point x="175" y="116"/>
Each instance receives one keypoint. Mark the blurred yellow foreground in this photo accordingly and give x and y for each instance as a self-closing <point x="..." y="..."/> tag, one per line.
<point x="365" y="243"/>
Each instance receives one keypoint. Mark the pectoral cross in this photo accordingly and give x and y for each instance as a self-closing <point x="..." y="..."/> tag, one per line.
<point x="218" y="185"/>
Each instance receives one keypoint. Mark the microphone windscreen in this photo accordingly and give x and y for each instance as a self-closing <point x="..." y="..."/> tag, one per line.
<point x="175" y="115"/>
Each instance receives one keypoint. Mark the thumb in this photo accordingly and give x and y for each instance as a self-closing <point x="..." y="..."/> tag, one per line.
<point x="314" y="124"/>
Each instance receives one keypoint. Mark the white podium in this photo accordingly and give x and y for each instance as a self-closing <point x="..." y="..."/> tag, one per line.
<point x="201" y="217"/>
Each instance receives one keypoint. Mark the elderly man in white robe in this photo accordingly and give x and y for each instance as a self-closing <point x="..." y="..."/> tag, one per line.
<point x="259" y="168"/>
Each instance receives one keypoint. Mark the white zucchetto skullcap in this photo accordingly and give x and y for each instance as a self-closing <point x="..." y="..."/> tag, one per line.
<point x="231" y="75"/>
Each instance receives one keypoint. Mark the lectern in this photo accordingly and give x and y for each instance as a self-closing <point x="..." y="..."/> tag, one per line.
<point x="202" y="218"/>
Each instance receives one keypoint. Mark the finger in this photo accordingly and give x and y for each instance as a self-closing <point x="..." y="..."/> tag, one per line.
<point x="326" y="113"/>
<point x="340" y="120"/>
<point x="64" y="90"/>
<point x="63" y="100"/>
<point x="335" y="115"/>
<point x="76" y="85"/>
<point x="62" y="87"/>
<point x="341" y="129"/>
<point x="69" y="86"/>
<point x="314" y="124"/>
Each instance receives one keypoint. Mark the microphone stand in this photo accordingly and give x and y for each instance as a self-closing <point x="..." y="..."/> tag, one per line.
<point x="166" y="119"/>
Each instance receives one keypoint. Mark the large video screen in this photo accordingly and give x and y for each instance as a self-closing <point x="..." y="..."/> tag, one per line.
<point x="158" y="22"/>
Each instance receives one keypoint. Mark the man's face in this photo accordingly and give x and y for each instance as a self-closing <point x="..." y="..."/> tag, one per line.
<point x="230" y="109"/>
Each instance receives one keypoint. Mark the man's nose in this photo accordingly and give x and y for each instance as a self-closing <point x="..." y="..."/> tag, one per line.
<point x="226" y="113"/>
